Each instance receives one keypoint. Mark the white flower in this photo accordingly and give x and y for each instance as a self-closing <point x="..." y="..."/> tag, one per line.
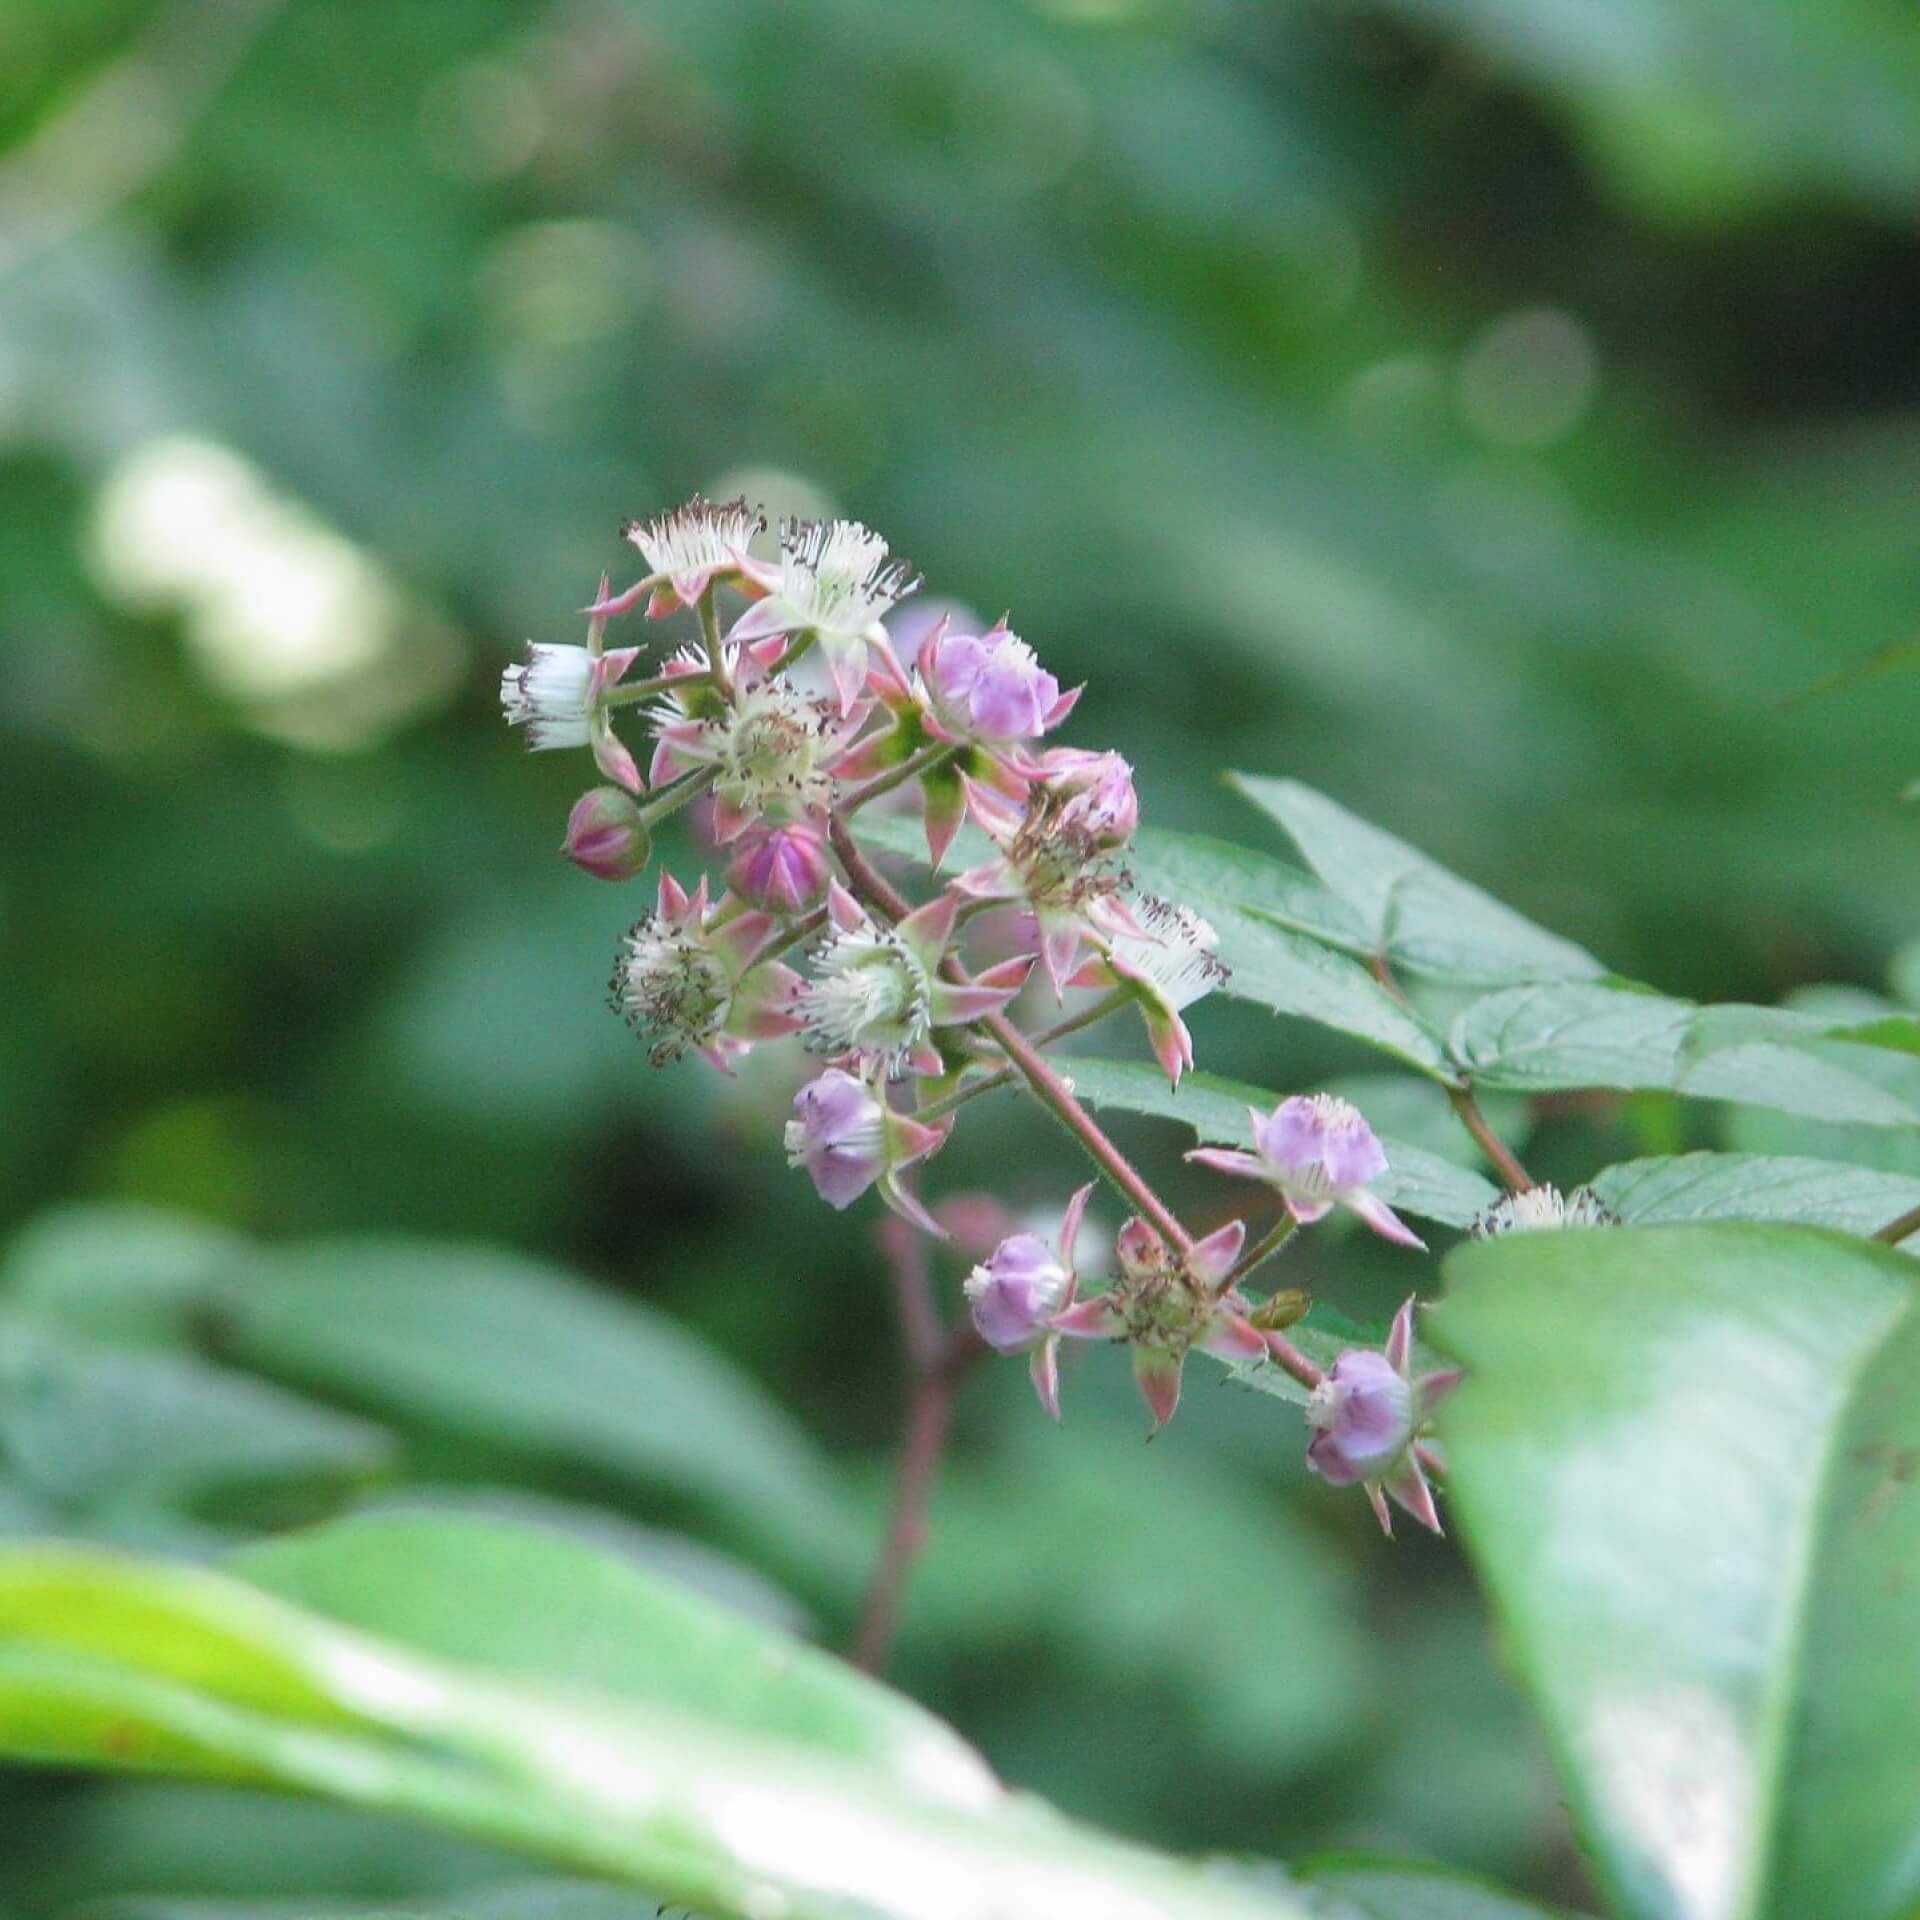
<point x="1175" y="955"/>
<point x="552" y="694"/>
<point x="1543" y="1209"/>
<point x="836" y="579"/>
<point x="695" y="542"/>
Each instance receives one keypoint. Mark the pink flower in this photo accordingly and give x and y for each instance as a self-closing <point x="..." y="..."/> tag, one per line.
<point x="878" y="993"/>
<point x="1055" y="853"/>
<point x="1016" y="1293"/>
<point x="1366" y="1416"/>
<point x="848" y="1139"/>
<point x="991" y="687"/>
<point x="607" y="835"/>
<point x="1319" y="1153"/>
<point x="783" y="868"/>
<point x="1164" y="1305"/>
<point x="690" y="975"/>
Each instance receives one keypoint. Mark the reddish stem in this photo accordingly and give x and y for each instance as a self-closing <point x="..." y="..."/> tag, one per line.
<point x="940" y="1358"/>
<point x="1048" y="1087"/>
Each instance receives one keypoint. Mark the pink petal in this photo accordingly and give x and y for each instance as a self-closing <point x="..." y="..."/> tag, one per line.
<point x="1070" y="1224"/>
<point x="1432" y="1389"/>
<point x="1171" y="1043"/>
<point x="928" y="928"/>
<point x="1383" y="1220"/>
<point x="1408" y="1487"/>
<point x="1063" y="706"/>
<point x="1232" y="1338"/>
<point x="1381" y="1511"/>
<point x="604" y="608"/>
<point x="1246" y="1166"/>
<point x="1400" y="1337"/>
<point x="1157" y="1374"/>
<point x="954" y="1005"/>
<point x="843" y="909"/>
<point x="1044" y="1369"/>
<point x="847" y="662"/>
<point x="1211" y="1260"/>
<point x="761" y="619"/>
<point x="1093" y="1319"/>
<point x="908" y="1208"/>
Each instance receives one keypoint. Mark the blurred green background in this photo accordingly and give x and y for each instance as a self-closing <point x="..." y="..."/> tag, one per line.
<point x="1503" y="414"/>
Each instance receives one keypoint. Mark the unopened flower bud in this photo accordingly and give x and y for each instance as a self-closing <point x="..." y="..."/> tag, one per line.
<point x="783" y="868"/>
<point x="1016" y="1292"/>
<point x="991" y="686"/>
<point x="1101" y="809"/>
<point x="1361" y="1414"/>
<point x="1282" y="1309"/>
<point x="839" y="1135"/>
<point x="607" y="835"/>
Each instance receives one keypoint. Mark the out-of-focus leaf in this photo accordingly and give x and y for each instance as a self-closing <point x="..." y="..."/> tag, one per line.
<point x="83" y="1426"/>
<point x="1416" y="1180"/>
<point x="1580" y="1034"/>
<point x="538" y="1606"/>
<point x="1412" y="910"/>
<point x="1685" y="1460"/>
<point x="521" y="1899"/>
<point x="478" y="1340"/>
<point x="1007" y="1542"/>
<point x="1756" y="1186"/>
<point x="111" y="1661"/>
<point x="1358" y="1887"/>
<point x="126" y="1274"/>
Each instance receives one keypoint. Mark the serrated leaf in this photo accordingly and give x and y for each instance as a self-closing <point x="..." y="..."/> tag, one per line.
<point x="1756" y="1186"/>
<point x="1686" y="1461"/>
<point x="1421" y="917"/>
<point x="476" y="1340"/>
<point x="1584" y="1034"/>
<point x="1288" y="973"/>
<point x="112" y="1661"/>
<point x="1416" y="1181"/>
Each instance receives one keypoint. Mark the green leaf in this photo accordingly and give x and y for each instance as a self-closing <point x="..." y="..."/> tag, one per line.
<point x="1581" y="1034"/>
<point x="523" y="1899"/>
<point x="1756" y="1186"/>
<point x="477" y="1340"/>
<point x="1416" y="1180"/>
<point x="539" y="1606"/>
<point x="1358" y="1887"/>
<point x="1686" y="1461"/>
<point x="1412" y="910"/>
<point x="84" y="1427"/>
<point x="1278" y="930"/>
<point x="127" y="1274"/>
<point x="118" y="1662"/>
<point x="1291" y="974"/>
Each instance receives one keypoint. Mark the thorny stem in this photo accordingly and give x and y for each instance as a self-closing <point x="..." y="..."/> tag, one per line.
<point x="1048" y="1087"/>
<point x="940" y="1357"/>
<point x="910" y="768"/>
<point x="1002" y="1076"/>
<point x="1505" y="1161"/>
<point x="1897" y="1230"/>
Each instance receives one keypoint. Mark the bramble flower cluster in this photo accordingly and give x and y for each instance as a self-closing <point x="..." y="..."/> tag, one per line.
<point x="786" y="714"/>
